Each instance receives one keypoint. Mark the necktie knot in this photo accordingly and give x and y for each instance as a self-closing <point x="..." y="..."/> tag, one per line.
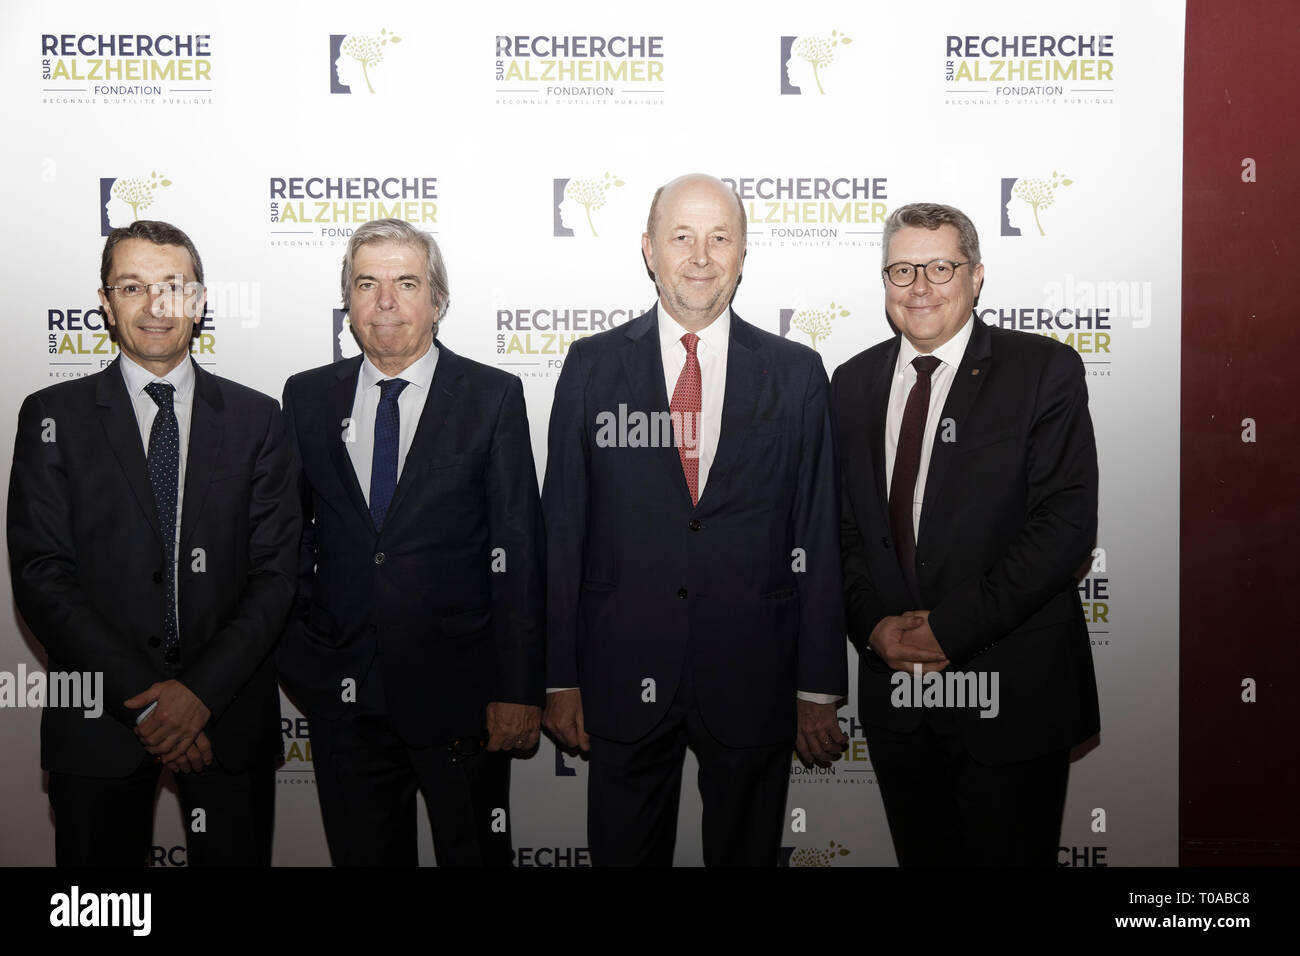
<point x="161" y="393"/>
<point x="925" y="365"/>
<point x="390" y="389"/>
<point x="690" y="340"/>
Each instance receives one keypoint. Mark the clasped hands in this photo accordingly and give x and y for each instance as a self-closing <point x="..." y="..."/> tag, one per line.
<point x="904" y="640"/>
<point x="173" y="731"/>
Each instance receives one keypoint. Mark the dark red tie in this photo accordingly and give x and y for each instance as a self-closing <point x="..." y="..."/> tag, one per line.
<point x="907" y="465"/>
<point x="685" y="411"/>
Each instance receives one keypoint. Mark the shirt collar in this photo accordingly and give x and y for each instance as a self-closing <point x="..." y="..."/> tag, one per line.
<point x="419" y="373"/>
<point x="949" y="353"/>
<point x="181" y="378"/>
<point x="712" y="336"/>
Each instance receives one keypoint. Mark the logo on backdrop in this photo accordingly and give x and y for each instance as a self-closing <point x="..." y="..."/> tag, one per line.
<point x="345" y="343"/>
<point x="579" y="70"/>
<point x="576" y="199"/>
<point x="814" y="323"/>
<point x="135" y="68"/>
<point x="813" y="856"/>
<point x="78" y="340"/>
<point x="1001" y="70"/>
<point x="123" y="199"/>
<point x="323" y="210"/>
<point x="813" y="211"/>
<point x="805" y="61"/>
<point x="1024" y="201"/>
<point x="355" y="60"/>
<point x="532" y="341"/>
<point x="297" y="767"/>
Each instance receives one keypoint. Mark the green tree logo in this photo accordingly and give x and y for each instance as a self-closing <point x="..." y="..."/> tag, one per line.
<point x="816" y="323"/>
<point x="368" y="50"/>
<point x="137" y="192"/>
<point x="590" y="193"/>
<point x="819" y="51"/>
<point x="1039" y="193"/>
<point x="811" y="857"/>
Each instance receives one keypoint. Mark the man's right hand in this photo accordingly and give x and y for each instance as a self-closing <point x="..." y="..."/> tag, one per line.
<point x="563" y="718"/>
<point x="887" y="641"/>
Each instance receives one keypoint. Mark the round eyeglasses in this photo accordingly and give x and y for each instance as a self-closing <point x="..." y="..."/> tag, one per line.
<point x="937" y="271"/>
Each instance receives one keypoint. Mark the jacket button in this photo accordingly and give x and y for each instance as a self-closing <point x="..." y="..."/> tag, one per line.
<point x="154" y="642"/>
<point x="884" y="543"/>
<point x="380" y="558"/>
<point x="157" y="577"/>
<point x="695" y="524"/>
<point x="681" y="593"/>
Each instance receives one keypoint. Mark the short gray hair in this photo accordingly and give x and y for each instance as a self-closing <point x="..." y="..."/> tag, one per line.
<point x="402" y="233"/>
<point x="932" y="215"/>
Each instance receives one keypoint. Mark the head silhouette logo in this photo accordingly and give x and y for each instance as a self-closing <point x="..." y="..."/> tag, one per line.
<point x="1024" y="199"/>
<point x="576" y="200"/>
<point x="123" y="199"/>
<point x="353" y="58"/>
<point x="814" y="323"/>
<point x="345" y="343"/>
<point x="803" y="58"/>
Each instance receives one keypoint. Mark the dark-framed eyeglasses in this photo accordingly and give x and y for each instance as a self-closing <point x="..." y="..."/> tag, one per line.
<point x="937" y="271"/>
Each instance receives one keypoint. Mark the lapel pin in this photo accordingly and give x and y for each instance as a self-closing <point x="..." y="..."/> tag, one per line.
<point x="974" y="371"/>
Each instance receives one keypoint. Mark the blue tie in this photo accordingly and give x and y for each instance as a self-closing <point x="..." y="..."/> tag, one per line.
<point x="383" y="467"/>
<point x="164" y="463"/>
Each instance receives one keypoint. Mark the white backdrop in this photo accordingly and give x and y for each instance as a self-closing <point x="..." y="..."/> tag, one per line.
<point x="257" y="132"/>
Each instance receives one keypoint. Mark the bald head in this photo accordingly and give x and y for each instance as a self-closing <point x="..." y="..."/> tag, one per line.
<point x="665" y="193"/>
<point x="694" y="246"/>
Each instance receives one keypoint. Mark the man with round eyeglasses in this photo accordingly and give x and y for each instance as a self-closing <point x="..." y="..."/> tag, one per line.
<point x="969" y="502"/>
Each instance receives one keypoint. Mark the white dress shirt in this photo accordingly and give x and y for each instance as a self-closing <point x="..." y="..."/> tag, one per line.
<point x="711" y="350"/>
<point x="949" y="355"/>
<point x="360" y="438"/>
<point x="181" y="379"/>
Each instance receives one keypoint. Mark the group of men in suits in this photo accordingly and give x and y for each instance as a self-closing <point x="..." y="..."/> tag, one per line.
<point x="688" y="586"/>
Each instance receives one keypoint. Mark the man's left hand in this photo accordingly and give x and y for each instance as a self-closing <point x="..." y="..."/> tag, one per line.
<point x="923" y="639"/>
<point x="513" y="726"/>
<point x="820" y="739"/>
<point x="169" y="731"/>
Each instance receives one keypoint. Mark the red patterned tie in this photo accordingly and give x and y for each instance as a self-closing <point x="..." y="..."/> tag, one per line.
<point x="685" y="411"/>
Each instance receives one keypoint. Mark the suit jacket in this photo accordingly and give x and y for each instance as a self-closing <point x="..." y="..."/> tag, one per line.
<point x="87" y="560"/>
<point x="1009" y="516"/>
<point x="447" y="599"/>
<point x="746" y="585"/>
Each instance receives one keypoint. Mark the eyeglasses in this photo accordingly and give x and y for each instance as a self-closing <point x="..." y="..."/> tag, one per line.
<point x="169" y="290"/>
<point x="937" y="271"/>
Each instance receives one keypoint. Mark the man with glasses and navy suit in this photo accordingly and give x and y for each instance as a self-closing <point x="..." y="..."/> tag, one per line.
<point x="152" y="527"/>
<point x="969" y="478"/>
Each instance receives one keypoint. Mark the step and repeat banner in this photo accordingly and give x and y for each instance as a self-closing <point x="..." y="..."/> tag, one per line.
<point x="529" y="140"/>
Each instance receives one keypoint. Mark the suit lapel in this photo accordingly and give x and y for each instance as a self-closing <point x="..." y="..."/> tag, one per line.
<point x="746" y="366"/>
<point x="123" y="433"/>
<point x="643" y="364"/>
<point x="206" y="428"/>
<point x="877" y="413"/>
<point x="338" y="409"/>
<point x="444" y="393"/>
<point x="970" y="377"/>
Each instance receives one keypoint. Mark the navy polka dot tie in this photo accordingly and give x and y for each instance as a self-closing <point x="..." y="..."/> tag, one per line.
<point x="164" y="471"/>
<point x="383" y="466"/>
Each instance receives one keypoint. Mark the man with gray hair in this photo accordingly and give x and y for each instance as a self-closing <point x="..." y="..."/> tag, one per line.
<point x="416" y="644"/>
<point x="969" y="479"/>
